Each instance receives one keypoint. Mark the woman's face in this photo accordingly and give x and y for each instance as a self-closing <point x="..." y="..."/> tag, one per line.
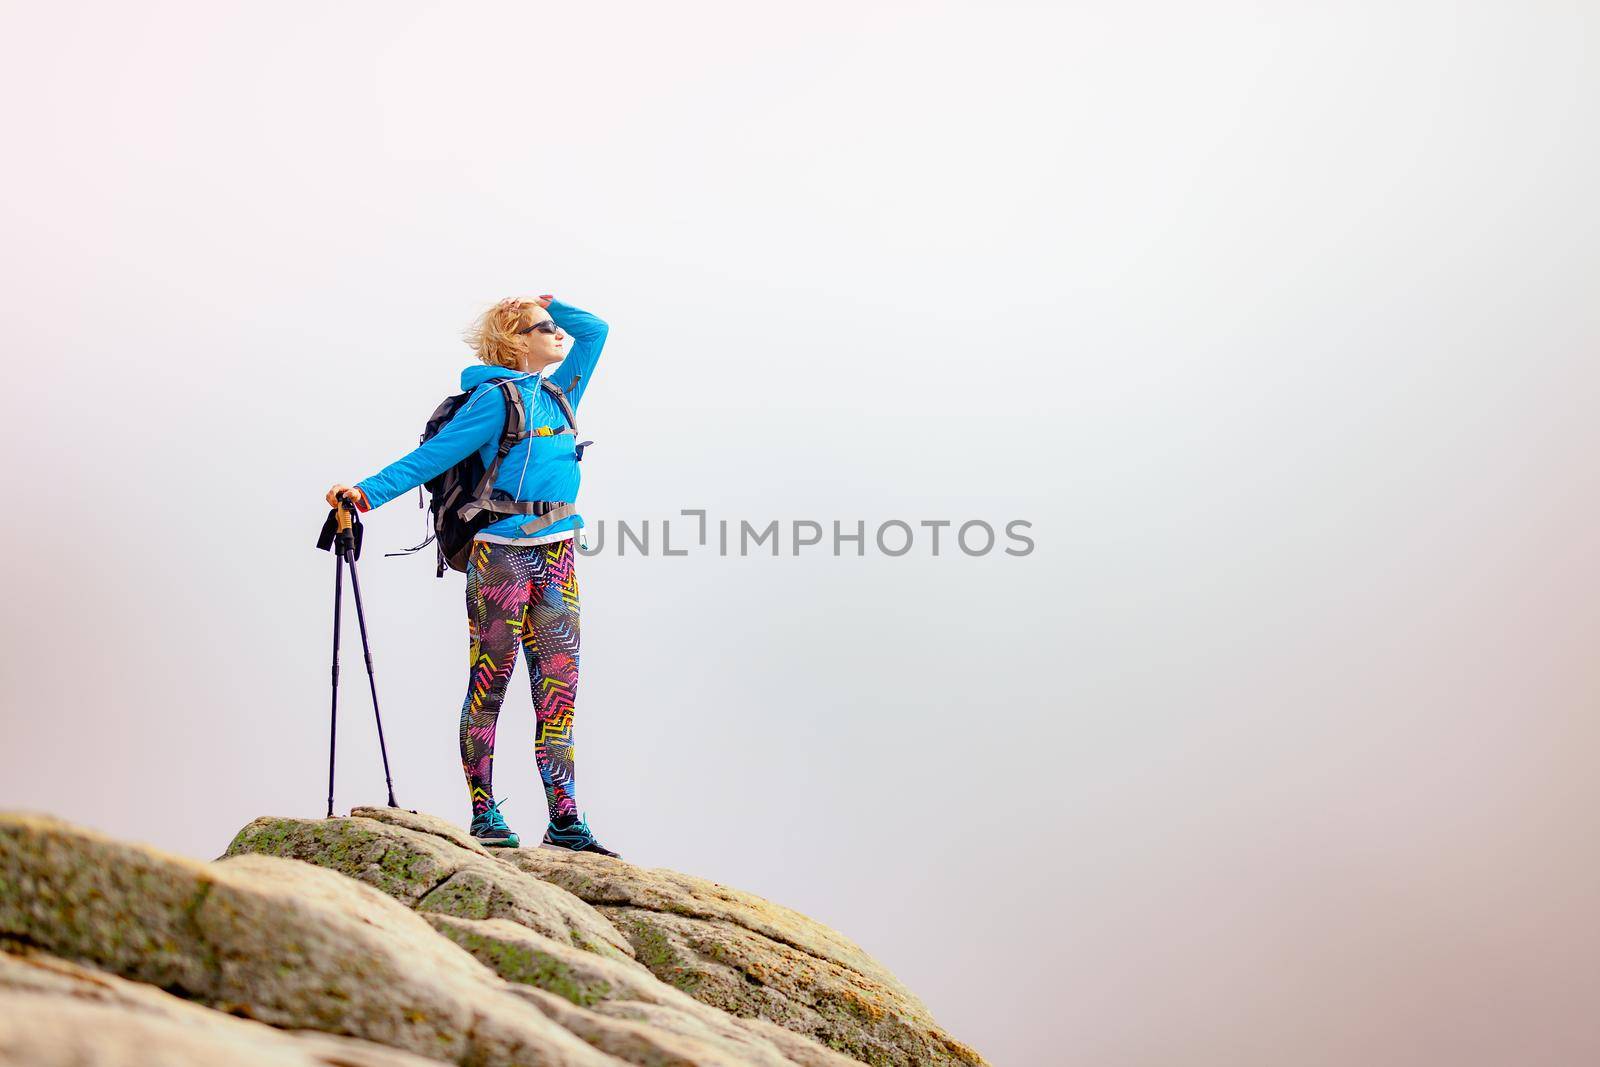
<point x="545" y="344"/>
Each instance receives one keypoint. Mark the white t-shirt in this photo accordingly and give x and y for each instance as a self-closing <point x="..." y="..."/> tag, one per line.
<point x="534" y="539"/>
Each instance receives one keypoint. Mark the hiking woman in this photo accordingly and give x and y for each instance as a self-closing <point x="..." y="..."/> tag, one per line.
<point x="521" y="586"/>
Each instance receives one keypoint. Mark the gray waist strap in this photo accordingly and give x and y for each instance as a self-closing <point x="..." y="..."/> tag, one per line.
<point x="549" y="518"/>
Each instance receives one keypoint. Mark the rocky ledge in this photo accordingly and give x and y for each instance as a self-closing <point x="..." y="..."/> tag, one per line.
<point x="392" y="938"/>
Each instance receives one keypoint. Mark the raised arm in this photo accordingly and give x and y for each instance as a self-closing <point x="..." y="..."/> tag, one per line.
<point x="480" y="420"/>
<point x="588" y="335"/>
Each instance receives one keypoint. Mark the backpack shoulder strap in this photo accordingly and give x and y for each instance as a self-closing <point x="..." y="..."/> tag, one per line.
<point x="516" y="418"/>
<point x="561" y="400"/>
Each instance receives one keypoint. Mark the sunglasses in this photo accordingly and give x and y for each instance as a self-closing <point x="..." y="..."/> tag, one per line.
<point x="543" y="326"/>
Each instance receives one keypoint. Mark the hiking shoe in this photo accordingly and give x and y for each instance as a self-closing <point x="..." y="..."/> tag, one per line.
<point x="489" y="828"/>
<point x="574" y="838"/>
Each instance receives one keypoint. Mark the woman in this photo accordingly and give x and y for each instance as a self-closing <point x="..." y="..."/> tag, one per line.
<point x="521" y="588"/>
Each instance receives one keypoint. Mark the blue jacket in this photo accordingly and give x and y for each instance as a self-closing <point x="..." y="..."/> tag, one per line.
<point x="536" y="468"/>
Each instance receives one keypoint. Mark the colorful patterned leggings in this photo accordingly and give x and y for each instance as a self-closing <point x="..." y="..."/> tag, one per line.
<point x="522" y="595"/>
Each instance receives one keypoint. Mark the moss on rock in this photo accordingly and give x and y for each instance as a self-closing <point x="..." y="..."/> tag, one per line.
<point x="517" y="956"/>
<point x="749" y="975"/>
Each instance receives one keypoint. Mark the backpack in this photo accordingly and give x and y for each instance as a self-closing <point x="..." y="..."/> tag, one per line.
<point x="464" y="500"/>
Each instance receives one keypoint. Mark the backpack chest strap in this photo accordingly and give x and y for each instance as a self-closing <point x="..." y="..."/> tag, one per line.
<point x="551" y="432"/>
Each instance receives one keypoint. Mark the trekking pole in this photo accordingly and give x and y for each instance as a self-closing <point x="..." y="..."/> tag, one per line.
<point x="341" y="533"/>
<point x="338" y="593"/>
<point x="347" y="544"/>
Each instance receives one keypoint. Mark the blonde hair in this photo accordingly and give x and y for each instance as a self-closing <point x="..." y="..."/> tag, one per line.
<point x="493" y="336"/>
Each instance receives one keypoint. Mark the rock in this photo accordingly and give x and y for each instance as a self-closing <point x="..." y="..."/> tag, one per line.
<point x="418" y="862"/>
<point x="51" y="1032"/>
<point x="46" y="991"/>
<point x="614" y="991"/>
<point x="286" y="943"/>
<point x="422" y="824"/>
<point x="752" y="958"/>
<point x="528" y="957"/>
<point x="389" y="935"/>
<point x="797" y="1048"/>
<point x="727" y="966"/>
<point x="638" y="1042"/>
<point x="600" y="882"/>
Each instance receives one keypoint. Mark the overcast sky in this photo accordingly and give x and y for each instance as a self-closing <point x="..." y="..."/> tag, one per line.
<point x="1275" y="322"/>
